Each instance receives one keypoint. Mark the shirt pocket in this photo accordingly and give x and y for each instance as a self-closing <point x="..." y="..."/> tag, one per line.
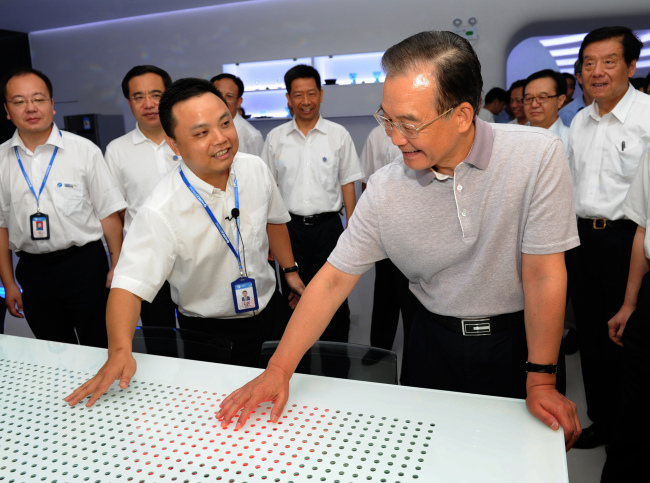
<point x="69" y="197"/>
<point x="327" y="171"/>
<point x="625" y="161"/>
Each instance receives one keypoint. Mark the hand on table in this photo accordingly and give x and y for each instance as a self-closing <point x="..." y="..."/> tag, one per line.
<point x="553" y="409"/>
<point x="616" y="324"/>
<point x="120" y="365"/>
<point x="272" y="385"/>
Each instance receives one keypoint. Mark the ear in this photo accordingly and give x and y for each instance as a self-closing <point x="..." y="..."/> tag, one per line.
<point x="172" y="144"/>
<point x="464" y="116"/>
<point x="7" y="111"/>
<point x="239" y="101"/>
<point x="288" y="97"/>
<point x="321" y="94"/>
<point x="631" y="69"/>
<point x="561" y="98"/>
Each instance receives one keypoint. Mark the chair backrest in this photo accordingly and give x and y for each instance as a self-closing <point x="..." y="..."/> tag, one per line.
<point x="343" y="360"/>
<point x="183" y="343"/>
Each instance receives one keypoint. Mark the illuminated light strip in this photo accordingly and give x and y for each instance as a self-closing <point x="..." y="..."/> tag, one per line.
<point x="642" y="64"/>
<point x="563" y="52"/>
<point x="645" y="37"/>
<point x="569" y="61"/>
<point x="645" y="52"/>
<point x="567" y="39"/>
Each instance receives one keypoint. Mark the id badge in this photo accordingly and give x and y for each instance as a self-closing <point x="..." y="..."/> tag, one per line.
<point x="40" y="226"/>
<point x="244" y="295"/>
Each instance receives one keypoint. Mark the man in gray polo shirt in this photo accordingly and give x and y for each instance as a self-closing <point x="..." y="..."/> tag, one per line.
<point x="478" y="217"/>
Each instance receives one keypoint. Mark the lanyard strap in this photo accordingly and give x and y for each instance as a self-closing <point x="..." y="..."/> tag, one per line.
<point x="215" y="221"/>
<point x="29" y="183"/>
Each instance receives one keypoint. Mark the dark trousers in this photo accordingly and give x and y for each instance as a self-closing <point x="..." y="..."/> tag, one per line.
<point x="161" y="312"/>
<point x="492" y="365"/>
<point x="391" y="295"/>
<point x="598" y="271"/>
<point x="246" y="334"/>
<point x="311" y="245"/>
<point x="628" y="442"/>
<point x="65" y="292"/>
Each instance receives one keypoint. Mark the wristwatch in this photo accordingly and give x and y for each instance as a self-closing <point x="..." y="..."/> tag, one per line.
<point x="290" y="269"/>
<point x="541" y="368"/>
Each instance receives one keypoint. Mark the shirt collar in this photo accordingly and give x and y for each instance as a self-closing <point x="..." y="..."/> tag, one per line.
<point x="479" y="156"/>
<point x="54" y="139"/>
<point x="621" y="109"/>
<point x="202" y="186"/>
<point x="320" y="125"/>
<point x="138" y="137"/>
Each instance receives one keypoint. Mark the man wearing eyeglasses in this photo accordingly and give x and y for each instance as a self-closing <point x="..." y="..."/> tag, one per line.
<point x="477" y="216"/>
<point x="139" y="160"/>
<point x="57" y="200"/>
<point x="544" y="93"/>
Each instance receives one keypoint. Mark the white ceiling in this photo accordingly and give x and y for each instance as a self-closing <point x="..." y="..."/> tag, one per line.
<point x="33" y="15"/>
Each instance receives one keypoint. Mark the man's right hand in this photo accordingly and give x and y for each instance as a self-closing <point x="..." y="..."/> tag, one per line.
<point x="120" y="365"/>
<point x="14" y="301"/>
<point x="616" y="324"/>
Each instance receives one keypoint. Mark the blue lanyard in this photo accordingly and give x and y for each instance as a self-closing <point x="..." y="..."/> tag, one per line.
<point x="29" y="183"/>
<point x="215" y="221"/>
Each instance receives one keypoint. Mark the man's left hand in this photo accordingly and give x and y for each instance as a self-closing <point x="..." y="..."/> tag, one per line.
<point x="553" y="409"/>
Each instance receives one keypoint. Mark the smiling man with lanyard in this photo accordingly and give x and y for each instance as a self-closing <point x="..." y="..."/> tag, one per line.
<point x="57" y="199"/>
<point x="206" y="228"/>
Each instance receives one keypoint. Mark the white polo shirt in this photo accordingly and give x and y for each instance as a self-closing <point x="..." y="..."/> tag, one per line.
<point x="637" y="203"/>
<point x="605" y="153"/>
<point x="173" y="238"/>
<point x="79" y="192"/>
<point x="137" y="165"/>
<point x="378" y="151"/>
<point x="310" y="170"/>
<point x="250" y="139"/>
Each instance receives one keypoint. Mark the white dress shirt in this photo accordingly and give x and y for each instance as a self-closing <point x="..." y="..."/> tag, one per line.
<point x="310" y="170"/>
<point x="637" y="202"/>
<point x="605" y="153"/>
<point x="137" y="165"/>
<point x="173" y="238"/>
<point x="79" y="192"/>
<point x="250" y="139"/>
<point x="378" y="151"/>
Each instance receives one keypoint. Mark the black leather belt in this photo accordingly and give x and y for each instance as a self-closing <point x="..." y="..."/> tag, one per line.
<point x="605" y="224"/>
<point x="59" y="254"/>
<point x="480" y="326"/>
<point x="313" y="219"/>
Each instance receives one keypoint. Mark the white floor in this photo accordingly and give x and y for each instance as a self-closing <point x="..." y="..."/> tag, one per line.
<point x="585" y="466"/>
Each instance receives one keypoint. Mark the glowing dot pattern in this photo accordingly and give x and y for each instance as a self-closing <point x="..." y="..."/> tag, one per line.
<point x="155" y="432"/>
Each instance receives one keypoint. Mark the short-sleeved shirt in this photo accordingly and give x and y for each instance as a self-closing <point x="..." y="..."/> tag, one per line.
<point x="637" y="202"/>
<point x="137" y="165"/>
<point x="78" y="194"/>
<point x="378" y="151"/>
<point x="459" y="239"/>
<point x="310" y="170"/>
<point x="173" y="238"/>
<point x="250" y="139"/>
<point x="605" y="153"/>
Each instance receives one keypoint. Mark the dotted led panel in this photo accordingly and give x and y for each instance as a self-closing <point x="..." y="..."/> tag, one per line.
<point x="156" y="432"/>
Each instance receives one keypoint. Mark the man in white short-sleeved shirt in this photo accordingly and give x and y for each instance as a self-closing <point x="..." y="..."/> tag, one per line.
<point x="315" y="165"/>
<point x="206" y="228"/>
<point x="56" y="225"/>
<point x="139" y="160"/>
<point x="232" y="90"/>
<point x="607" y="140"/>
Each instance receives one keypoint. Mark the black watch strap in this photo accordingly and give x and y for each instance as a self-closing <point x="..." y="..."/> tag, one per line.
<point x="291" y="269"/>
<point x="541" y="368"/>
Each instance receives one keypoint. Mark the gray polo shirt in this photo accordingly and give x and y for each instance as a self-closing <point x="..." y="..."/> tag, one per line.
<point x="459" y="240"/>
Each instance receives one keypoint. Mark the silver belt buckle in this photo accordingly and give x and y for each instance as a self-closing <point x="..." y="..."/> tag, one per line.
<point x="474" y="327"/>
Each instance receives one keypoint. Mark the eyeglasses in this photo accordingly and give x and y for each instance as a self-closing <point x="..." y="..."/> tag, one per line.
<point x="542" y="99"/>
<point x="139" y="98"/>
<point x="407" y="130"/>
<point x="21" y="102"/>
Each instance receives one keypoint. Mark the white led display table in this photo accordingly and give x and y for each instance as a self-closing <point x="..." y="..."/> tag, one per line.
<point x="163" y="428"/>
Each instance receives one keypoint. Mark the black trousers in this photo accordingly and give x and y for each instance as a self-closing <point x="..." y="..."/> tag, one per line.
<point x="161" y="312"/>
<point x="65" y="294"/>
<point x="311" y="245"/>
<point x="597" y="274"/>
<point x="493" y="365"/>
<point x="246" y="334"/>
<point x="391" y="295"/>
<point x="628" y="442"/>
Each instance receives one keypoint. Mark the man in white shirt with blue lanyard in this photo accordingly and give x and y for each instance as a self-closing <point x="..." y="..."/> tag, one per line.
<point x="606" y="144"/>
<point x="139" y="160"/>
<point x="57" y="200"/>
<point x="206" y="228"/>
